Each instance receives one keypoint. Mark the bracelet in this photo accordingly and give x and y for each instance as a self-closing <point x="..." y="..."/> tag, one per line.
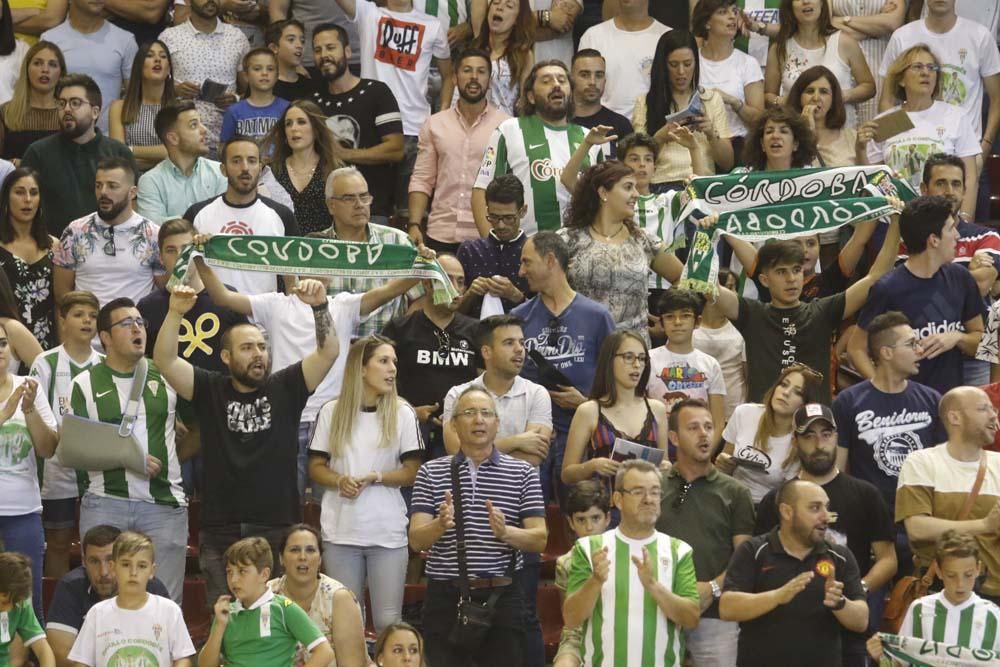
<point x="547" y="16"/>
<point x="412" y="224"/>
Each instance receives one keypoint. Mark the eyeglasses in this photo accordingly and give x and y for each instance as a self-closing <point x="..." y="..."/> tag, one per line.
<point x="472" y="413"/>
<point x="73" y="103"/>
<point x="109" y="247"/>
<point x="631" y="357"/>
<point x="506" y="219"/>
<point x="638" y="492"/>
<point x="444" y="342"/>
<point x="364" y="198"/>
<point x="924" y="67"/>
<point x="682" y="496"/>
<point x="129" y="322"/>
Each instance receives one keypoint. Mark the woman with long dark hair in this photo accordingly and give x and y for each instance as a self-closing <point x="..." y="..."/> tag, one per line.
<point x="817" y="96"/>
<point x="132" y="118"/>
<point x="508" y="35"/>
<point x="26" y="254"/>
<point x="32" y="113"/>
<point x="695" y="146"/>
<point x="611" y="257"/>
<point x="303" y="152"/>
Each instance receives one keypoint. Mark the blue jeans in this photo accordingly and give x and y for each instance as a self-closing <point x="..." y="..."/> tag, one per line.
<point x="975" y="373"/>
<point x="384" y="569"/>
<point x="166" y="526"/>
<point x="23" y="533"/>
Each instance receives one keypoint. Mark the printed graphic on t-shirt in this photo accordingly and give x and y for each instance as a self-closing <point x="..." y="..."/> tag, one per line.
<point x="788" y="348"/>
<point x="252" y="417"/>
<point x="558" y="346"/>
<point x="399" y="42"/>
<point x="953" y="88"/>
<point x="133" y="656"/>
<point x="345" y="129"/>
<point x="458" y="354"/>
<point x="199" y="335"/>
<point x="236" y="227"/>
<point x="15" y="444"/>
<point x="752" y="455"/>
<point x="907" y="157"/>
<point x="892" y="437"/>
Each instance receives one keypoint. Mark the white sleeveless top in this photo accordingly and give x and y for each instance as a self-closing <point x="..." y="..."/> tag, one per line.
<point x="798" y="60"/>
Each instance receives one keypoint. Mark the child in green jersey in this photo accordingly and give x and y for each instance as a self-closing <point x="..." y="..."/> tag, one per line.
<point x="17" y="617"/>
<point x="259" y="628"/>
<point x="589" y="510"/>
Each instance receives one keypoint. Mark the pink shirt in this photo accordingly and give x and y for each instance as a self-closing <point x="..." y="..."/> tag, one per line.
<point x="450" y="153"/>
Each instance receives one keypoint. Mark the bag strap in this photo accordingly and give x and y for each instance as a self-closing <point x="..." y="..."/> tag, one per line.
<point x="131" y="415"/>
<point x="970" y="500"/>
<point x="463" y="564"/>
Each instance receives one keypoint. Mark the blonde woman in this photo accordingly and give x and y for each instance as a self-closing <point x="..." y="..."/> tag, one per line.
<point x="367" y="444"/>
<point x="32" y="113"/>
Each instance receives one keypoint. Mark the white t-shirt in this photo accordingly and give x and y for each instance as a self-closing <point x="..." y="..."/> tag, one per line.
<point x="558" y="48"/>
<point x="967" y="53"/>
<point x="153" y="635"/>
<point x="525" y="403"/>
<point x="10" y="70"/>
<point x="741" y="430"/>
<point x="377" y="517"/>
<point x="292" y="335"/>
<point x="731" y="76"/>
<point x="984" y="12"/>
<point x="674" y="376"/>
<point x="396" y="49"/>
<point x="629" y="59"/>
<point x="726" y="345"/>
<point x="941" y="128"/>
<point x="19" y="492"/>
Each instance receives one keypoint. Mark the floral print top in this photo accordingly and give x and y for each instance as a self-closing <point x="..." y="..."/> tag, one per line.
<point x="320" y="612"/>
<point x="32" y="287"/>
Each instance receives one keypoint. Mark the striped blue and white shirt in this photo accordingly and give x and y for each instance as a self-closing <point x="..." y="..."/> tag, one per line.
<point x="513" y="487"/>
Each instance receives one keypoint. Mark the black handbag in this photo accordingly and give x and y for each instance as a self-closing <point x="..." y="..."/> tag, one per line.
<point x="474" y="619"/>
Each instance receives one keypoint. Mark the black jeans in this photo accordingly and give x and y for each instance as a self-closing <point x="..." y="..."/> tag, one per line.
<point x="504" y="644"/>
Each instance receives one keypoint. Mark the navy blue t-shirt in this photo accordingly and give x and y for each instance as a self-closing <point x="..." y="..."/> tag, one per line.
<point x="880" y="430"/>
<point x="570" y="343"/>
<point x="938" y="304"/>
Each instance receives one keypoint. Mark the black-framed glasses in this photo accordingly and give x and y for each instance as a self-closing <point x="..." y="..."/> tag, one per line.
<point x="109" y="246"/>
<point x="505" y="219"/>
<point x="682" y="496"/>
<point x="444" y="342"/>
<point x="129" y="322"/>
<point x="74" y="103"/>
<point x="631" y="357"/>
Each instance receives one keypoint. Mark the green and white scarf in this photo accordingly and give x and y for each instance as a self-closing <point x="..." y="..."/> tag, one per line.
<point x="927" y="653"/>
<point x="315" y="257"/>
<point x="545" y="179"/>
<point x="765" y="205"/>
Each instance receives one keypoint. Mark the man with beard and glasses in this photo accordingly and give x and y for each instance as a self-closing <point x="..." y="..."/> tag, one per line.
<point x="633" y="567"/>
<point x="251" y="424"/>
<point x="112" y="252"/>
<point x="791" y="591"/>
<point x="935" y="482"/>
<point x="240" y="210"/>
<point x="362" y="114"/>
<point x="67" y="161"/>
<point x="860" y="517"/>
<point x="714" y="514"/>
<point x="535" y="147"/>
<point x="204" y="50"/>
<point x="451" y="147"/>
<point x="589" y="78"/>
<point x="152" y="503"/>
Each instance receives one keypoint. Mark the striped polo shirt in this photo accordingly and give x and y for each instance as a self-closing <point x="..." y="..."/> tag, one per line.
<point x="513" y="487"/>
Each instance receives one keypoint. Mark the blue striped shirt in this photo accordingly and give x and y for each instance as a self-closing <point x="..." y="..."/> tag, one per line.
<point x="510" y="483"/>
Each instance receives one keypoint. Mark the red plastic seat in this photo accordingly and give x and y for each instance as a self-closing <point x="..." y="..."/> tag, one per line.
<point x="550" y="615"/>
<point x="559" y="542"/>
<point x="196" y="612"/>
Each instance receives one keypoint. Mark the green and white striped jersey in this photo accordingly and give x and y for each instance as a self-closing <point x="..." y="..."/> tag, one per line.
<point x="54" y="370"/>
<point x="627" y="628"/>
<point x="101" y="394"/>
<point x="655" y="214"/>
<point x="972" y="624"/>
<point x="536" y="153"/>
<point x="450" y="12"/>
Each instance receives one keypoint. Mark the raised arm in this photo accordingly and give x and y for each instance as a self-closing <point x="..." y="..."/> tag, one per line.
<point x="857" y="294"/>
<point x="350" y="8"/>
<point x="377" y="297"/>
<point x="597" y="136"/>
<point x="178" y="372"/>
<point x="317" y="363"/>
<point x="219" y="293"/>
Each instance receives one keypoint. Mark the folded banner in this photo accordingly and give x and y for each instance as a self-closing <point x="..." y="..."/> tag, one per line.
<point x="927" y="653"/>
<point x="759" y="206"/>
<point x="316" y="257"/>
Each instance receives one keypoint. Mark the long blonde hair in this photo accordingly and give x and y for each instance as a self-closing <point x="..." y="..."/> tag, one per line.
<point x="811" y="382"/>
<point x="20" y="102"/>
<point x="351" y="398"/>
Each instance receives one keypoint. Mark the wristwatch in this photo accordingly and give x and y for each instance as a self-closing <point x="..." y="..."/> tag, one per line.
<point x="716" y="590"/>
<point x="840" y="604"/>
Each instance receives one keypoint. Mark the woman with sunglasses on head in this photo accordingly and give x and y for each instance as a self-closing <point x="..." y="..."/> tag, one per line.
<point x="938" y="127"/>
<point x="26" y="254"/>
<point x="33" y="112"/>
<point x="618" y="408"/>
<point x="758" y="438"/>
<point x="366" y="446"/>
<point x="131" y="120"/>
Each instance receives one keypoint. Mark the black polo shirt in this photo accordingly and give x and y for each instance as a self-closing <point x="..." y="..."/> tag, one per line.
<point x="75" y="596"/>
<point x="802" y="632"/>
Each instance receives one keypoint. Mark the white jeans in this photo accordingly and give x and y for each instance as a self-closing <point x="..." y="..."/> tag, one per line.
<point x="713" y="643"/>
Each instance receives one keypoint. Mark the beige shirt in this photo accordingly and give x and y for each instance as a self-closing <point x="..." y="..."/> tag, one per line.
<point x="840" y="151"/>
<point x="673" y="162"/>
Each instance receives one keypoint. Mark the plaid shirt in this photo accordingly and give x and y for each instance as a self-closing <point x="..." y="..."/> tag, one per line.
<point x="375" y="322"/>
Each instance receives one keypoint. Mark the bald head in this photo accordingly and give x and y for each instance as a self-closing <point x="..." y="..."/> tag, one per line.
<point x="968" y="416"/>
<point x="791" y="490"/>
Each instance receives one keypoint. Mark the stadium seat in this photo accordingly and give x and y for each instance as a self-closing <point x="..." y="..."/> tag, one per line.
<point x="196" y="612"/>
<point x="550" y="615"/>
<point x="560" y="541"/>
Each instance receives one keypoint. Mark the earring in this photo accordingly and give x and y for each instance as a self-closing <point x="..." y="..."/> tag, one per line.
<point x="604" y="199"/>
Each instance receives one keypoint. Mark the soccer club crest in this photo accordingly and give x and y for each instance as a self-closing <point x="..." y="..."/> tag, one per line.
<point x="157" y="631"/>
<point x="825" y="568"/>
<point x="153" y="386"/>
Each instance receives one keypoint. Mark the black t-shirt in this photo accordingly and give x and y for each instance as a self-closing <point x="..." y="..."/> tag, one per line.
<point x="361" y="118"/>
<point x="141" y="30"/>
<point x="804" y="631"/>
<point x="829" y="281"/>
<point x="431" y="361"/>
<point x="250" y="448"/>
<point x="302" y="89"/>
<point x="200" y="337"/>
<point x="622" y="125"/>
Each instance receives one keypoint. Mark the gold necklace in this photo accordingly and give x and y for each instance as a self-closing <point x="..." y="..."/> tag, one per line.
<point x="605" y="236"/>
